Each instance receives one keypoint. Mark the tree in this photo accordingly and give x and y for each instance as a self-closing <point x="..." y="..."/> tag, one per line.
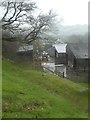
<point x="39" y="25"/>
<point x="23" y="15"/>
<point x="16" y="14"/>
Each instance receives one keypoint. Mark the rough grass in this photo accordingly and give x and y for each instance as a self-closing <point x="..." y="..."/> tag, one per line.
<point x="32" y="94"/>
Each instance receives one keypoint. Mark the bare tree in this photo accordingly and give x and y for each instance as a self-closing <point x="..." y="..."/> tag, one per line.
<point x="39" y="25"/>
<point x="16" y="13"/>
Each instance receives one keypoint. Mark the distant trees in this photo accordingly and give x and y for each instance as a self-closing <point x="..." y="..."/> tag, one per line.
<point x="78" y="38"/>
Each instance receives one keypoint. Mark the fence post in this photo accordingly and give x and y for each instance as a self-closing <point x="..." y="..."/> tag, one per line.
<point x="63" y="74"/>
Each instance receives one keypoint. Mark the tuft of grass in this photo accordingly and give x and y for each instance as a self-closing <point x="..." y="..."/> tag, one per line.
<point x="31" y="94"/>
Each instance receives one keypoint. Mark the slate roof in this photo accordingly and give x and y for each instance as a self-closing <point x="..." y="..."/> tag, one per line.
<point x="25" y="48"/>
<point x="79" y="50"/>
<point x="60" y="48"/>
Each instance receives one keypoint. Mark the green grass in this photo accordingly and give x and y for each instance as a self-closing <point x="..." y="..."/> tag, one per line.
<point x="28" y="93"/>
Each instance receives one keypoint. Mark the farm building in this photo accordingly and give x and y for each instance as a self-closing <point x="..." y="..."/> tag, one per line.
<point x="71" y="60"/>
<point x="61" y="56"/>
<point x="25" y="52"/>
<point x="78" y="55"/>
<point x="51" y="51"/>
<point x="9" y="49"/>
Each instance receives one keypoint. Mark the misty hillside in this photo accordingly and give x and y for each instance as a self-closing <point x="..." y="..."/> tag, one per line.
<point x="75" y="29"/>
<point x="74" y="34"/>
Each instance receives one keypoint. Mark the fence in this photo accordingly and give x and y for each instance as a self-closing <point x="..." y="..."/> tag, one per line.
<point x="48" y="70"/>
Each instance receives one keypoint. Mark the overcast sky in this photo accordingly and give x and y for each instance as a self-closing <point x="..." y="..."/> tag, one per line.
<point x="72" y="11"/>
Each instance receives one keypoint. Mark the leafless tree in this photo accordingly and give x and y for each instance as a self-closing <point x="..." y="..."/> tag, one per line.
<point x="21" y="14"/>
<point x="16" y="13"/>
<point x="39" y="25"/>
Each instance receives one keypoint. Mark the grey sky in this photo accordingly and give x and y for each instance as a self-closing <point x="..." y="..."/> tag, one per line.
<point x="73" y="11"/>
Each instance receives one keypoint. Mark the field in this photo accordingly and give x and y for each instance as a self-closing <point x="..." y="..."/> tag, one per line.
<point x="28" y="93"/>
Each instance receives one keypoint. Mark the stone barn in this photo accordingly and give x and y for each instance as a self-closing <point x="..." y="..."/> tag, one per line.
<point x="61" y="56"/>
<point x="25" y="53"/>
<point x="51" y="51"/>
<point x="78" y="56"/>
<point x="9" y="49"/>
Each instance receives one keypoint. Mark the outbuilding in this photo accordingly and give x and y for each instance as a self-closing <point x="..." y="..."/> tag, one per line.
<point x="61" y="56"/>
<point x="78" y="55"/>
<point x="25" y="52"/>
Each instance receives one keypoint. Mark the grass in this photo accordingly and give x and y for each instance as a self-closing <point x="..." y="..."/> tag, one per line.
<point x="27" y="93"/>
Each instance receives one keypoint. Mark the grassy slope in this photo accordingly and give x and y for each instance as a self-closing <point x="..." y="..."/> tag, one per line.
<point x="30" y="94"/>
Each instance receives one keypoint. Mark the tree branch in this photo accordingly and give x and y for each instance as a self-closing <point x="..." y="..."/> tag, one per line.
<point x="13" y="13"/>
<point x="6" y="11"/>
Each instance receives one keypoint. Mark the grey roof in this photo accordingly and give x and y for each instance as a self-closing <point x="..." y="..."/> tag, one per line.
<point x="60" y="48"/>
<point x="79" y="50"/>
<point x="25" y="48"/>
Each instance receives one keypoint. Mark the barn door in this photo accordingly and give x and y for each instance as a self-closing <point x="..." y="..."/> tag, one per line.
<point x="74" y="63"/>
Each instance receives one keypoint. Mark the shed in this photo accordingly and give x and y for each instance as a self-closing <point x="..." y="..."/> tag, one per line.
<point x="25" y="52"/>
<point x="51" y="51"/>
<point x="78" y="55"/>
<point x="60" y="54"/>
<point x="25" y="49"/>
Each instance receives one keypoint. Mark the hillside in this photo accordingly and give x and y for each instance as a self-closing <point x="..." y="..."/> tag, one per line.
<point x="32" y="94"/>
<point x="73" y="30"/>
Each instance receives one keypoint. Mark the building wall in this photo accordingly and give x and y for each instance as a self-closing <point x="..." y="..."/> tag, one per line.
<point x="71" y="57"/>
<point x="77" y="63"/>
<point x="9" y="51"/>
<point x="82" y="64"/>
<point x="25" y="56"/>
<point x="61" y="58"/>
<point x="51" y="52"/>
